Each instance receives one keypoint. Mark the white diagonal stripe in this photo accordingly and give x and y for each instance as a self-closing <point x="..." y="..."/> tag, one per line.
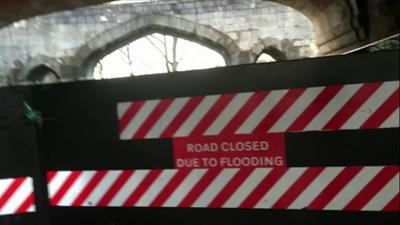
<point x="296" y="109"/>
<point x="280" y="187"/>
<point x="31" y="208"/>
<point x="196" y="116"/>
<point x="76" y="188"/>
<point x="130" y="185"/>
<point x="184" y="188"/>
<point x="57" y="181"/>
<point x="333" y="107"/>
<point x="154" y="190"/>
<point x="122" y="108"/>
<point x="247" y="187"/>
<point x="347" y="194"/>
<point x="380" y="200"/>
<point x="228" y="113"/>
<point x="371" y="105"/>
<point x="167" y="117"/>
<point x="137" y="121"/>
<point x="392" y="120"/>
<point x="261" y="111"/>
<point x="215" y="187"/>
<point x="18" y="197"/>
<point x="102" y="187"/>
<point x="4" y="185"/>
<point x="316" y="187"/>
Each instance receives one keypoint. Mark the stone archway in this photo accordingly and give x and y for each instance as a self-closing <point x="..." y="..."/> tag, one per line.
<point x="36" y="69"/>
<point x="335" y="22"/>
<point x="42" y="74"/>
<point x="270" y="46"/>
<point x="89" y="54"/>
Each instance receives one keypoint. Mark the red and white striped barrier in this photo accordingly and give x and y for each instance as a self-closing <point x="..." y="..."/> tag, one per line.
<point x="16" y="196"/>
<point x="312" y="188"/>
<point x="340" y="107"/>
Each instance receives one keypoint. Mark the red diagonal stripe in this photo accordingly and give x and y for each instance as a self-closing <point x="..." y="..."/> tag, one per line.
<point x="154" y="116"/>
<point x="297" y="188"/>
<point x="142" y="188"/>
<point x="251" y="105"/>
<point x="393" y="205"/>
<point x="212" y="114"/>
<point x="129" y="114"/>
<point x="199" y="188"/>
<point x="351" y="106"/>
<point x="115" y="187"/>
<point x="89" y="187"/>
<point x="334" y="187"/>
<point x="384" y="111"/>
<point x="372" y="188"/>
<point x="315" y="108"/>
<point x="170" y="187"/>
<point x="263" y="187"/>
<point x="65" y="187"/>
<point x="26" y="204"/>
<point x="12" y="188"/>
<point x="50" y="176"/>
<point x="279" y="109"/>
<point x="182" y="116"/>
<point x="230" y="188"/>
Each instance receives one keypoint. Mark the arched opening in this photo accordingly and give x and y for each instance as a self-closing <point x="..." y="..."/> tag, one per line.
<point x="110" y="40"/>
<point x="85" y="35"/>
<point x="270" y="54"/>
<point x="231" y="29"/>
<point x="265" y="58"/>
<point x="157" y="53"/>
<point x="42" y="74"/>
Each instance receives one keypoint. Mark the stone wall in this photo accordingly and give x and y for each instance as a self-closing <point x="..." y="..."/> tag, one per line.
<point x="255" y="26"/>
<point x="248" y="23"/>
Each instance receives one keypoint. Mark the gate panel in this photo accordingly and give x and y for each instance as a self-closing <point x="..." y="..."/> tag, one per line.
<point x="18" y="163"/>
<point x="116" y="143"/>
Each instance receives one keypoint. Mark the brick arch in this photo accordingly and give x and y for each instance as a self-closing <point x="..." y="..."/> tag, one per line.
<point x="89" y="54"/>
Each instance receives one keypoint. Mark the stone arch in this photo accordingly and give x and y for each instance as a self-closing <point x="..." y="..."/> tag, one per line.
<point x="270" y="46"/>
<point x="40" y="72"/>
<point x="336" y="24"/>
<point x="36" y="67"/>
<point x="89" y="54"/>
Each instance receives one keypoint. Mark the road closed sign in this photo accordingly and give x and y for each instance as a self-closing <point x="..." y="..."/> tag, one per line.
<point x="235" y="151"/>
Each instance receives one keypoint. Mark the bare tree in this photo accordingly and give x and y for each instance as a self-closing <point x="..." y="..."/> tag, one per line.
<point x="174" y="61"/>
<point x="170" y="63"/>
<point x="160" y="42"/>
<point x="126" y="51"/>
